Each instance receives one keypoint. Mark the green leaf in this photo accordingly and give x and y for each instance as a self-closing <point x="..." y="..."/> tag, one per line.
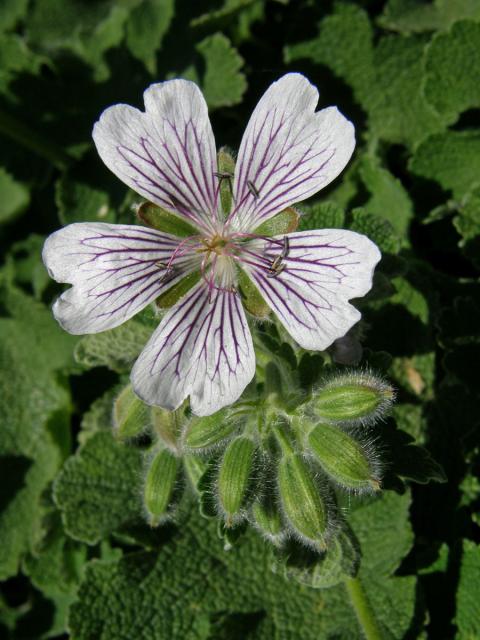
<point x="15" y="198"/>
<point x="147" y="25"/>
<point x="467" y="617"/>
<point x="386" y="79"/>
<point x="411" y="16"/>
<point x="377" y="229"/>
<point x="88" y="30"/>
<point x="11" y="11"/>
<point x="223" y="83"/>
<point x="452" y="65"/>
<point x="34" y="408"/>
<point x="143" y="592"/>
<point x="388" y="198"/>
<point x="452" y="159"/>
<point x="97" y="490"/>
<point x="15" y="58"/>
<point x="80" y="202"/>
<point x="116" y="349"/>
<point x="322" y="215"/>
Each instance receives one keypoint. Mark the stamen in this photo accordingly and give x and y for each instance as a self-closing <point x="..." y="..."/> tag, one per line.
<point x="253" y="189"/>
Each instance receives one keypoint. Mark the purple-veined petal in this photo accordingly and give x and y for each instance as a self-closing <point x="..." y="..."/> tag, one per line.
<point x="310" y="287"/>
<point x="288" y="151"/>
<point x="167" y="153"/>
<point x="115" y="270"/>
<point x="202" y="349"/>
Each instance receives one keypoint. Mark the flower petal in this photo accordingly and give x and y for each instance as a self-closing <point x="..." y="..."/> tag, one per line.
<point x="310" y="290"/>
<point x="115" y="271"/>
<point x="167" y="153"/>
<point x="288" y="151"/>
<point x="202" y="349"/>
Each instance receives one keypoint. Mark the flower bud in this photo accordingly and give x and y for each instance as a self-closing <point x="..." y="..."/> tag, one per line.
<point x="204" y="433"/>
<point x="267" y="518"/>
<point x="130" y="415"/>
<point x="302" y="501"/>
<point x="159" y="485"/>
<point x="353" y="398"/>
<point x="166" y="425"/>
<point x="344" y="459"/>
<point x="234" y="477"/>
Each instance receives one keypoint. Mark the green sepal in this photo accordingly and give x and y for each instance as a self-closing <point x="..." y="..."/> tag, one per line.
<point x="251" y="297"/>
<point x="206" y="432"/>
<point x="195" y="466"/>
<point x="130" y="415"/>
<point x="167" y="426"/>
<point x="340" y="560"/>
<point x="226" y="170"/>
<point x="173" y="295"/>
<point x="267" y="518"/>
<point x="160" y="485"/>
<point x="284" y="222"/>
<point x="302" y="501"/>
<point x="162" y="220"/>
<point x="343" y="458"/>
<point x="234" y="477"/>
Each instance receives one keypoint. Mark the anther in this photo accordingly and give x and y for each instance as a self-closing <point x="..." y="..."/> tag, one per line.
<point x="253" y="189"/>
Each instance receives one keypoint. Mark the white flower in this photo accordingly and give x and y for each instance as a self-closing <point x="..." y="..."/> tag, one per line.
<point x="203" y="345"/>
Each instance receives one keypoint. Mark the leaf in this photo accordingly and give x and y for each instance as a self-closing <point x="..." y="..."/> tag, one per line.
<point x="376" y="228"/>
<point x="467" y="617"/>
<point x="322" y="215"/>
<point x="223" y="83"/>
<point x="411" y="16"/>
<point x="144" y="592"/>
<point x="147" y="25"/>
<point x="80" y="202"/>
<point x="116" y="349"/>
<point x="97" y="27"/>
<point x="11" y="11"/>
<point x="452" y="64"/>
<point x="388" y="198"/>
<point x="15" y="58"/>
<point x="452" y="159"/>
<point x="35" y="409"/>
<point x="386" y="79"/>
<point x="97" y="490"/>
<point x="15" y="197"/>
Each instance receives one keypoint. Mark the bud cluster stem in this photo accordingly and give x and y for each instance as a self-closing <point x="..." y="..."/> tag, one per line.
<point x="363" y="609"/>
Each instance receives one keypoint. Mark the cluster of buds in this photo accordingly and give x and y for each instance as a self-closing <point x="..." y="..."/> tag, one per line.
<point x="275" y="462"/>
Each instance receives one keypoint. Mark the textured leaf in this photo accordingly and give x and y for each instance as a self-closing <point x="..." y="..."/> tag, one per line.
<point x="14" y="197"/>
<point x="323" y="215"/>
<point x="97" y="489"/>
<point x="467" y="616"/>
<point x="452" y="65"/>
<point x="144" y="593"/>
<point x="79" y="202"/>
<point x="377" y="229"/>
<point x="452" y="159"/>
<point x="34" y="407"/>
<point x="410" y="16"/>
<point x="116" y="349"/>
<point x="146" y="27"/>
<point x="223" y="83"/>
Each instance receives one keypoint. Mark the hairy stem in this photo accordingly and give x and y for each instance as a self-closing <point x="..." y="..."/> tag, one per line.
<point x="24" y="135"/>
<point x="363" y="609"/>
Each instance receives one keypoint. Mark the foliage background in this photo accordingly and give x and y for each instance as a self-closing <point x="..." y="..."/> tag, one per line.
<point x="78" y="559"/>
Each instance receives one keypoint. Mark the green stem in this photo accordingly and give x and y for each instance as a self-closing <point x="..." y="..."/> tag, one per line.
<point x="363" y="609"/>
<point x="21" y="133"/>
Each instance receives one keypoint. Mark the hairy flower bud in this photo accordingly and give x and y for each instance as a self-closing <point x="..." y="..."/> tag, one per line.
<point x="234" y="476"/>
<point x="267" y="518"/>
<point x="166" y="425"/>
<point x="159" y="485"/>
<point x="344" y="459"/>
<point x="302" y="501"/>
<point x="130" y="415"/>
<point x="207" y="432"/>
<point x="353" y="398"/>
